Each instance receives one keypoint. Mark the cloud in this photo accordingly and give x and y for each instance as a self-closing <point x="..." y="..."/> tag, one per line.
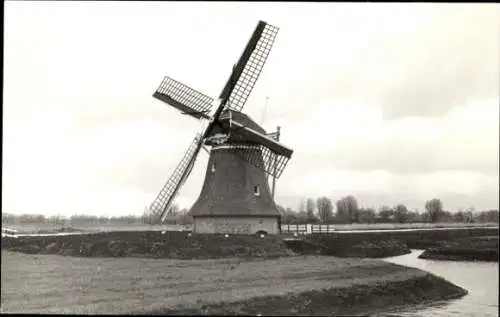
<point x="346" y="148"/>
<point x="445" y="66"/>
<point x="423" y="63"/>
<point x="353" y="136"/>
<point x="390" y="102"/>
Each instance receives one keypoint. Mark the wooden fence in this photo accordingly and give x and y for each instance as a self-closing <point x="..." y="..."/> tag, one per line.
<point x="7" y="232"/>
<point x="307" y="229"/>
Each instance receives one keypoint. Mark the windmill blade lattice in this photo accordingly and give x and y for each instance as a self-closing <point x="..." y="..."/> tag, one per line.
<point x="184" y="98"/>
<point x="252" y="69"/>
<point x="166" y="196"/>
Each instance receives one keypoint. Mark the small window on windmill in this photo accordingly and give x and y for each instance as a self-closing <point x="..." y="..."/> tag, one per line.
<point x="213" y="167"/>
<point x="256" y="190"/>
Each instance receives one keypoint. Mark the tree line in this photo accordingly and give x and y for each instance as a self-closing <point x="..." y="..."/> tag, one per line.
<point x="347" y="210"/>
<point x="176" y="217"/>
<point x="321" y="210"/>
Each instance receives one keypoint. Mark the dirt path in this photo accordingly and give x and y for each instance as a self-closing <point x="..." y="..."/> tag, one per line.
<point x="56" y="284"/>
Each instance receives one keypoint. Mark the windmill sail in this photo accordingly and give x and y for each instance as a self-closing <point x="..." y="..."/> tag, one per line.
<point x="186" y="99"/>
<point x="247" y="70"/>
<point x="166" y="196"/>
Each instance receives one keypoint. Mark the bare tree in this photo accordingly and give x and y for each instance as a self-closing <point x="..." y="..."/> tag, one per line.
<point x="434" y="209"/>
<point x="310" y="209"/>
<point x="386" y="213"/>
<point x="150" y="217"/>
<point x="347" y="209"/>
<point x="174" y="210"/>
<point x="367" y="215"/>
<point x="281" y="210"/>
<point x="400" y="213"/>
<point x="302" y="206"/>
<point x="325" y="209"/>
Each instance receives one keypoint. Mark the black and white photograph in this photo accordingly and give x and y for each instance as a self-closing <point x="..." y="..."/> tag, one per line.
<point x="250" y="158"/>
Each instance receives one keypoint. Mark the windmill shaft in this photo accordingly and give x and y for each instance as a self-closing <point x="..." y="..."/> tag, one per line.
<point x="215" y="121"/>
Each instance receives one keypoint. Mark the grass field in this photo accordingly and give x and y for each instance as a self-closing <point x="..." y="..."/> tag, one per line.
<point x="156" y="244"/>
<point x="55" y="284"/>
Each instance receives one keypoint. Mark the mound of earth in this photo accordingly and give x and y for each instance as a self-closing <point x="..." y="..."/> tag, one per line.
<point x="172" y="244"/>
<point x="377" y="244"/>
<point x="470" y="249"/>
<point x="342" y="246"/>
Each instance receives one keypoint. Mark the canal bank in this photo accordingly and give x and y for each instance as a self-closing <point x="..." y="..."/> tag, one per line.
<point x="384" y="243"/>
<point x="479" y="278"/>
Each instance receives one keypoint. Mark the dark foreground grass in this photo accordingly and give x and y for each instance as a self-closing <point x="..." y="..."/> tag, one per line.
<point x="313" y="285"/>
<point x="374" y="244"/>
<point x="470" y="249"/>
<point x="327" y="245"/>
<point x="351" y="300"/>
<point x="155" y="244"/>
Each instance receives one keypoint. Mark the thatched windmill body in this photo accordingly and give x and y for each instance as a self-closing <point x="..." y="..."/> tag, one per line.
<point x="235" y="196"/>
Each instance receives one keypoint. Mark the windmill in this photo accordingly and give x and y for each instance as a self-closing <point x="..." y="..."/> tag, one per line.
<point x="235" y="195"/>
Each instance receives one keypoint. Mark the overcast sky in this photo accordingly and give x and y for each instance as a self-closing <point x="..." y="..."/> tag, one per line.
<point x="393" y="103"/>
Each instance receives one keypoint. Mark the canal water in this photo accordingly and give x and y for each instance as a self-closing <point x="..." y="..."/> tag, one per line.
<point x="479" y="278"/>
